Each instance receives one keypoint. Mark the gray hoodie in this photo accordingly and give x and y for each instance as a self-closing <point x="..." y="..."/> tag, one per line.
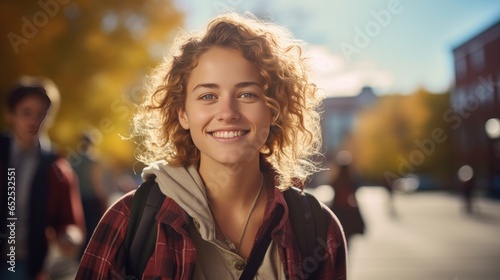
<point x="185" y="187"/>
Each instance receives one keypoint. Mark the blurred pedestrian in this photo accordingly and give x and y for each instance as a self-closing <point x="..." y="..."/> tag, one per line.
<point x="345" y="205"/>
<point x="465" y="175"/>
<point x="90" y="175"/>
<point x="391" y="206"/>
<point x="39" y="194"/>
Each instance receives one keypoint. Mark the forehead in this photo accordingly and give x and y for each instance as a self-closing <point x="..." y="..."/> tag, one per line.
<point x="32" y="101"/>
<point x="223" y="66"/>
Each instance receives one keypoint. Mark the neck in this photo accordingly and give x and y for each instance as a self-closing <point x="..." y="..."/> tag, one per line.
<point x="230" y="185"/>
<point x="237" y="198"/>
<point x="25" y="145"/>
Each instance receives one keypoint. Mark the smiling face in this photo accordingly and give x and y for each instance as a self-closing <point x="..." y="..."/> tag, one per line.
<point x="225" y="110"/>
<point x="26" y="119"/>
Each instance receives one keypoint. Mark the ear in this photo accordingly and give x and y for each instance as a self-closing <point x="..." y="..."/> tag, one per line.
<point x="183" y="118"/>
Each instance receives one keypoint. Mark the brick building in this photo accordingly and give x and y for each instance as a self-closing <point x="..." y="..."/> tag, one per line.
<point x="475" y="100"/>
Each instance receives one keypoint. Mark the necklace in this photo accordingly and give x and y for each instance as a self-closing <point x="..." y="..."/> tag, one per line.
<point x="229" y="243"/>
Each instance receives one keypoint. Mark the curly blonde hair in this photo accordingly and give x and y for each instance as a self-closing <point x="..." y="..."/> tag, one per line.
<point x="295" y="134"/>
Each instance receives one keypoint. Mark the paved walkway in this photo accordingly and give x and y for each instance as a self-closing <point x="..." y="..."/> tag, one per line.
<point x="429" y="238"/>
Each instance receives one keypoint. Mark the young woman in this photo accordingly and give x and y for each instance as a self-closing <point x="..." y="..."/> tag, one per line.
<point x="229" y="122"/>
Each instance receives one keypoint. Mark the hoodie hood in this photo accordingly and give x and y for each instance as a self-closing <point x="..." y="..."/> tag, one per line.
<point x="185" y="186"/>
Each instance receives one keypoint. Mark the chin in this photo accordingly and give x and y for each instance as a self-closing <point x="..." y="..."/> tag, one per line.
<point x="232" y="160"/>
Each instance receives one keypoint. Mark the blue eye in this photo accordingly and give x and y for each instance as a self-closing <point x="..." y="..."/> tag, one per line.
<point x="248" y="95"/>
<point x="208" y="96"/>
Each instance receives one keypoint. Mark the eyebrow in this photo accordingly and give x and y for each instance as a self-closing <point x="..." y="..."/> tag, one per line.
<point x="216" y="86"/>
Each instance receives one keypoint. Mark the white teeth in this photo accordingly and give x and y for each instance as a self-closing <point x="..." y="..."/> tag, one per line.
<point x="227" y="134"/>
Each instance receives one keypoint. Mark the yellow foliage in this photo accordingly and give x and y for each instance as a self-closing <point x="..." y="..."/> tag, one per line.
<point x="386" y="133"/>
<point x="98" y="70"/>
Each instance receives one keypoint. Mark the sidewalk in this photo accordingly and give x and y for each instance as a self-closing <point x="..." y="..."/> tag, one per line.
<point x="430" y="238"/>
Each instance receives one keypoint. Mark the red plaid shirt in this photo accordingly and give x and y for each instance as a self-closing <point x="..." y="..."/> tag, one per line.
<point x="175" y="253"/>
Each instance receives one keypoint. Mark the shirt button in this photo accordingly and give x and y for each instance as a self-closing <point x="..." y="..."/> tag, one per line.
<point x="239" y="265"/>
<point x="196" y="223"/>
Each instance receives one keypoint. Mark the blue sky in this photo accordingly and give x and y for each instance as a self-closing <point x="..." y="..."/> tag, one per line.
<point x="394" y="46"/>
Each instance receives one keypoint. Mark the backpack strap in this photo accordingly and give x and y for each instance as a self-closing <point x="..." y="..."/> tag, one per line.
<point x="309" y="226"/>
<point x="259" y="250"/>
<point x="140" y="238"/>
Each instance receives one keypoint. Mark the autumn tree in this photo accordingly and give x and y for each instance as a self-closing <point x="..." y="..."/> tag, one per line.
<point x="97" y="52"/>
<point x="404" y="134"/>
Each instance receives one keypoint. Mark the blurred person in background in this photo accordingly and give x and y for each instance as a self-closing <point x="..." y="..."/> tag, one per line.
<point x="467" y="181"/>
<point x="345" y="204"/>
<point x="91" y="181"/>
<point x="39" y="193"/>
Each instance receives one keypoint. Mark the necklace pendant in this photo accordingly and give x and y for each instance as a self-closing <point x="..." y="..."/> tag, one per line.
<point x="231" y="245"/>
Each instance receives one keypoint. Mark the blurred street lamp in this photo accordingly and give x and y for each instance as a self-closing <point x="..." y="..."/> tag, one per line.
<point x="465" y="173"/>
<point x="492" y="128"/>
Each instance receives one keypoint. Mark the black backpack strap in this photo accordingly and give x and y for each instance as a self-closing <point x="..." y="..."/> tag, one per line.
<point x="258" y="252"/>
<point x="309" y="226"/>
<point x="140" y="238"/>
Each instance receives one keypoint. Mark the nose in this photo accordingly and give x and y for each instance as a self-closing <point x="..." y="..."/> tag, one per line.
<point x="35" y="121"/>
<point x="228" y="110"/>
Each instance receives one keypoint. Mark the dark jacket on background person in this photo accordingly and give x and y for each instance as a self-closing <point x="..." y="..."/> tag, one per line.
<point x="54" y="202"/>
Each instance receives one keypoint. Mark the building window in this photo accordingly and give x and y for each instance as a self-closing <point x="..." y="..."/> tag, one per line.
<point x="484" y="90"/>
<point x="477" y="58"/>
<point x="462" y="99"/>
<point x="461" y="67"/>
<point x="455" y="99"/>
